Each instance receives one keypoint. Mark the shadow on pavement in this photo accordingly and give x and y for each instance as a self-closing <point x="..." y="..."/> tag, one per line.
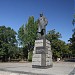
<point x="72" y="72"/>
<point x="70" y="60"/>
<point x="22" y="72"/>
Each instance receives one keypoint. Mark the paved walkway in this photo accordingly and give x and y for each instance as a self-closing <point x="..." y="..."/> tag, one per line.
<point x="60" y="68"/>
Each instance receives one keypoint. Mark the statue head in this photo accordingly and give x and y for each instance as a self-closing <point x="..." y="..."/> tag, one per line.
<point x="41" y="14"/>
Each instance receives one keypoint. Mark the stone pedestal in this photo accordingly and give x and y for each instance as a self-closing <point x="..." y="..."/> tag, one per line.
<point x="42" y="54"/>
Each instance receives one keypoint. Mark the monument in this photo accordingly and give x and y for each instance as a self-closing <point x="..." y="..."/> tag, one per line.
<point x="42" y="54"/>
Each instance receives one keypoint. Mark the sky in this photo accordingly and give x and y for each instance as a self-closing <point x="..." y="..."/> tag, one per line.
<point x="59" y="13"/>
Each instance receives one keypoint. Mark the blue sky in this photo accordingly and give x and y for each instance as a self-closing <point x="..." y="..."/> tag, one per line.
<point x="14" y="13"/>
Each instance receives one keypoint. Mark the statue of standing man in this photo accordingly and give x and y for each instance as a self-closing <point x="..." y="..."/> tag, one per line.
<point x="42" y="22"/>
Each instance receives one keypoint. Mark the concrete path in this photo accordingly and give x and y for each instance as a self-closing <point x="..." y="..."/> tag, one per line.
<point x="60" y="68"/>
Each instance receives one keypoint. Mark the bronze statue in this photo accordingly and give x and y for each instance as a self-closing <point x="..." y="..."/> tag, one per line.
<point x="42" y="22"/>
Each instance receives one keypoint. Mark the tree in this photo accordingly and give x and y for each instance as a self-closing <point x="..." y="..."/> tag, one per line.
<point x="72" y="40"/>
<point x="58" y="46"/>
<point x="21" y="35"/>
<point x="72" y="44"/>
<point x="8" y="42"/>
<point x="53" y="35"/>
<point x="27" y="34"/>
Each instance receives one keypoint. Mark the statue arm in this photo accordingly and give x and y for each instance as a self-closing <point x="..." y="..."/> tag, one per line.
<point x="46" y="21"/>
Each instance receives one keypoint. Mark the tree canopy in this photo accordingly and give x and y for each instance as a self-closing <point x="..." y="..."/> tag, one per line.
<point x="27" y="33"/>
<point x="8" y="42"/>
<point x="58" y="47"/>
<point x="72" y="43"/>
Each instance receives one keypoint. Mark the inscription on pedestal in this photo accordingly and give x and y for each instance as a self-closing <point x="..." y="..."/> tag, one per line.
<point x="41" y="50"/>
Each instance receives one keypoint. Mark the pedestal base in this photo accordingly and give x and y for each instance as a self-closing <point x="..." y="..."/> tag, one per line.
<point x="41" y="67"/>
<point x="42" y="56"/>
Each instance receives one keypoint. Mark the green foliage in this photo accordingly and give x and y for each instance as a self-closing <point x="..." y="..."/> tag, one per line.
<point x="58" y="54"/>
<point x="27" y="33"/>
<point x="8" y="42"/>
<point x="21" y="35"/>
<point x="31" y="29"/>
<point x="59" y="47"/>
<point x="53" y="35"/>
<point x="30" y="56"/>
<point x="72" y="44"/>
